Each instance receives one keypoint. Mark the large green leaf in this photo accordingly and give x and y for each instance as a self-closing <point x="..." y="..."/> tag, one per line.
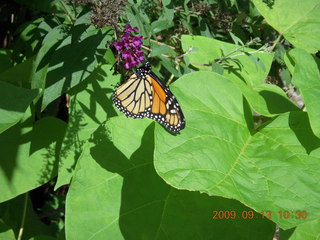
<point x="298" y="21"/>
<point x="306" y="77"/>
<point x="249" y="75"/>
<point x="90" y="105"/>
<point x="14" y="101"/>
<point x="124" y="198"/>
<point x="30" y="36"/>
<point x="275" y="169"/>
<point x="307" y="231"/>
<point x="75" y="59"/>
<point x="19" y="73"/>
<point x="29" y="155"/>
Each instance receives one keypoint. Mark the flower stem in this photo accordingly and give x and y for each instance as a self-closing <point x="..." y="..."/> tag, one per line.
<point x="23" y="217"/>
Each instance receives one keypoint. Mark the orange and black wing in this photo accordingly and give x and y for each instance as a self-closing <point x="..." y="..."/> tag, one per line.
<point x="144" y="95"/>
<point x="165" y="108"/>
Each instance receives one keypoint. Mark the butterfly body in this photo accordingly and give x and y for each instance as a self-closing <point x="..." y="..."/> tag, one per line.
<point x="144" y="95"/>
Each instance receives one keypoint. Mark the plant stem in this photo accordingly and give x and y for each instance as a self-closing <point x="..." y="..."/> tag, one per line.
<point x="275" y="43"/>
<point x="244" y="53"/>
<point x="226" y="56"/>
<point x="170" y="79"/>
<point x="161" y="44"/>
<point x="23" y="216"/>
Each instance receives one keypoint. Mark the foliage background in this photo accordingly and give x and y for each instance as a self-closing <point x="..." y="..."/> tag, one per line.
<point x="246" y="74"/>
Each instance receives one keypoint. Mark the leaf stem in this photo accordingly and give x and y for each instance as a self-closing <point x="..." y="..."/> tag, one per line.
<point x="275" y="43"/>
<point x="23" y="217"/>
<point x="245" y="53"/>
<point x="226" y="56"/>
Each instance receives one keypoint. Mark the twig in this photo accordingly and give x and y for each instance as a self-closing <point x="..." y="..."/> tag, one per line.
<point x="23" y="217"/>
<point x="162" y="44"/>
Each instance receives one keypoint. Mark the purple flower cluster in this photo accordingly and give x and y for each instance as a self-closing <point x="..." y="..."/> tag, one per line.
<point x="130" y="47"/>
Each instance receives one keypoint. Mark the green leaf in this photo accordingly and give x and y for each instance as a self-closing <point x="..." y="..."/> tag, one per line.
<point x="6" y="232"/>
<point x="161" y="24"/>
<point x="14" y="102"/>
<point x="307" y="231"/>
<point x="165" y="21"/>
<point x="90" y="106"/>
<point x="236" y="40"/>
<point x="279" y="54"/>
<point x="116" y="181"/>
<point x="205" y="50"/>
<point x="274" y="169"/>
<point x="306" y="77"/>
<point x="74" y="60"/>
<point x="29" y="155"/>
<point x="138" y="18"/>
<point x="5" y="59"/>
<point x="42" y="60"/>
<point x="21" y="72"/>
<point x="256" y="60"/>
<point x="289" y="61"/>
<point x="248" y="74"/>
<point x="170" y="66"/>
<point x="297" y="23"/>
<point x="51" y="6"/>
<point x="217" y="68"/>
<point x="274" y="98"/>
<point x="157" y="50"/>
<point x="29" y="39"/>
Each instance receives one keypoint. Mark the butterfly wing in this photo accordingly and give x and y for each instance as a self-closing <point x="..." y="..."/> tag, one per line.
<point x="134" y="98"/>
<point x="144" y="95"/>
<point x="165" y="108"/>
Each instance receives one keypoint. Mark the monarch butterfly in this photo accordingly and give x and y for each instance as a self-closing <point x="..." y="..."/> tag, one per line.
<point x="145" y="95"/>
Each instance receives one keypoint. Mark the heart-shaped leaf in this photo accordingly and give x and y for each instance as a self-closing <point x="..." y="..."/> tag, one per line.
<point x="274" y="169"/>
<point x="124" y="198"/>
